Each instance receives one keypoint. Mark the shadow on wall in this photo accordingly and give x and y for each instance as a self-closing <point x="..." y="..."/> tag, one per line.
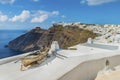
<point x="102" y="46"/>
<point x="88" y="70"/>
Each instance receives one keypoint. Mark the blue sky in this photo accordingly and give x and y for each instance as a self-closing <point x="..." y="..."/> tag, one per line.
<point x="27" y="14"/>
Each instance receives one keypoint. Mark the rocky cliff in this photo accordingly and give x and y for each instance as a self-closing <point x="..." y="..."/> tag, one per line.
<point x="36" y="38"/>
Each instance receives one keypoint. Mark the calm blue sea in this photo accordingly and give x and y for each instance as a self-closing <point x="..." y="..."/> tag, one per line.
<point x="5" y="37"/>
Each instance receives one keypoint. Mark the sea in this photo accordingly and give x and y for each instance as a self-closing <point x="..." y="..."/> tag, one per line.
<point x="5" y="37"/>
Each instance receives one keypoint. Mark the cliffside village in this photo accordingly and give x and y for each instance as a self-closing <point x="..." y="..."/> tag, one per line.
<point x="108" y="33"/>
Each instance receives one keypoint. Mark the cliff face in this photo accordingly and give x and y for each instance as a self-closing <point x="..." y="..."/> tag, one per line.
<point x="36" y="38"/>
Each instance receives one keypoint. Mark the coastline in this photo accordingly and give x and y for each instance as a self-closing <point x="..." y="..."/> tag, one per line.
<point x="5" y="37"/>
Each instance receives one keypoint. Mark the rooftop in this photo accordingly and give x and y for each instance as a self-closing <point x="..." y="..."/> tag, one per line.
<point x="54" y="67"/>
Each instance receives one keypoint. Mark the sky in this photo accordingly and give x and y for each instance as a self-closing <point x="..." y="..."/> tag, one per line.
<point x="27" y="14"/>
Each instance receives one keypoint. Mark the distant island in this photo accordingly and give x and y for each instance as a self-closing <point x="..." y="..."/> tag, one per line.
<point x="66" y="34"/>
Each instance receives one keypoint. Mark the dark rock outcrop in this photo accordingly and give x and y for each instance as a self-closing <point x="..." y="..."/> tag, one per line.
<point x="36" y="38"/>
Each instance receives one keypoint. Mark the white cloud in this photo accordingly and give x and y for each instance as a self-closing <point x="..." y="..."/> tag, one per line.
<point x="55" y="12"/>
<point x="3" y="17"/>
<point x="22" y="17"/>
<point x="35" y="0"/>
<point x="40" y="19"/>
<point x="41" y="16"/>
<point x="63" y="16"/>
<point x="53" y="22"/>
<point x="7" y="1"/>
<point x="83" y="1"/>
<point x="96" y="2"/>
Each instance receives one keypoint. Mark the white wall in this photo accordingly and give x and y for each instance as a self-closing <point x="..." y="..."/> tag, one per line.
<point x="102" y="46"/>
<point x="88" y="70"/>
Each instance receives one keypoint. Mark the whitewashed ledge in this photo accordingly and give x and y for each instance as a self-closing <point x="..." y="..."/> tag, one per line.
<point x="81" y="64"/>
<point x="17" y="57"/>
